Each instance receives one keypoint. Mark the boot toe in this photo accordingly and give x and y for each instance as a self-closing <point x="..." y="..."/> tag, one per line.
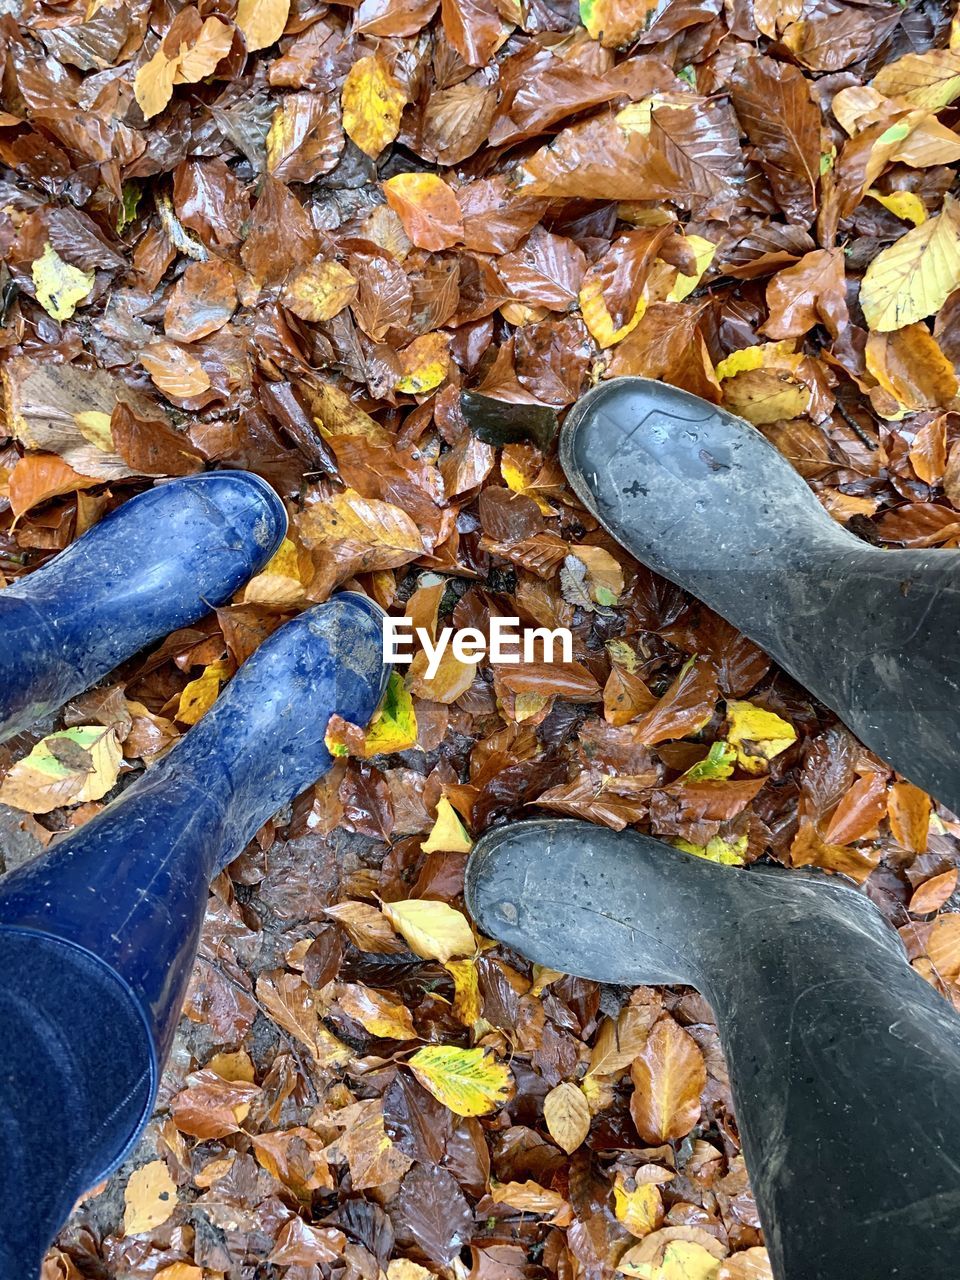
<point x="251" y="508"/>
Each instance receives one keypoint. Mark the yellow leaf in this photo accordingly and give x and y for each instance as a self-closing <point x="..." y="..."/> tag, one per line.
<point x="59" y="286"/>
<point x="470" y="1082"/>
<point x="405" y="1269"/>
<point x="755" y="357"/>
<point x="394" y="727"/>
<point x="466" y="998"/>
<point x="757" y="735"/>
<point x="567" y="1114"/>
<point x="95" y="427"/>
<point x="616" y="23"/>
<point x="638" y="1207"/>
<point x="682" y="1260"/>
<point x="279" y="583"/>
<point x="425" y="363"/>
<point x="378" y="534"/>
<point x="200" y="694"/>
<point x="703" y="252"/>
<point x="729" y="853"/>
<point x="64" y="768"/>
<point x="377" y="1012"/>
<point x="530" y="1197"/>
<point x="153" y="83"/>
<point x="930" y="79"/>
<point x="596" y="317"/>
<point x="373" y="102"/>
<point x="149" y="1199"/>
<point x="913" y="278"/>
<point x="718" y="763"/>
<point x="902" y="204"/>
<point x="320" y="291"/>
<point x="233" y="1066"/>
<point x="449" y="835"/>
<point x="262" y="22"/>
<point x="180" y="1271"/>
<point x="201" y="58"/>
<point x="604" y="578"/>
<point x="432" y="930"/>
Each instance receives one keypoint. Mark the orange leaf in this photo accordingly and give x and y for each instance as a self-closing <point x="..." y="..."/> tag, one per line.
<point x="908" y="809"/>
<point x="38" y="477"/>
<point x="668" y="1077"/>
<point x="428" y="209"/>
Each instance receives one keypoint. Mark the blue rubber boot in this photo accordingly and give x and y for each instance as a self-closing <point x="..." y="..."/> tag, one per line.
<point x="98" y="936"/>
<point x="159" y="562"/>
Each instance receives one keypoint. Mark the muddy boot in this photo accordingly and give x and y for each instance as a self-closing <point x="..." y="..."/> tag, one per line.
<point x="703" y="499"/>
<point x="844" y="1063"/>
<point x="98" y="935"/>
<point x="159" y="562"/>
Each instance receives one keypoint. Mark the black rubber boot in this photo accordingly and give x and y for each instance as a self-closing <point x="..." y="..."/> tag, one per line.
<point x="703" y="499"/>
<point x="844" y="1063"/>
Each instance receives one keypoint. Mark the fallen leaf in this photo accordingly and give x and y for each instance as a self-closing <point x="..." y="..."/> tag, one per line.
<point x="668" y="1077"/>
<point x="933" y="893"/>
<point x="639" y="1206"/>
<point x="200" y="694"/>
<point x="262" y="21"/>
<point x="149" y="1198"/>
<point x="59" y="286"/>
<point x="377" y="1011"/>
<point x="757" y="735"/>
<point x="427" y="207"/>
<point x="69" y="767"/>
<point x="909" y="811"/>
<point x="567" y="1115"/>
<point x="448" y="834"/>
<point x="373" y="102"/>
<point x="431" y="929"/>
<point x="320" y="291"/>
<point x="470" y="1082"/>
<point x="914" y="276"/>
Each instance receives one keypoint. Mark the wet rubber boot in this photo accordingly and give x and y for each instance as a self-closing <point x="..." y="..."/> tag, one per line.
<point x="99" y="934"/>
<point x="703" y="499"/>
<point x="844" y="1062"/>
<point x="159" y="562"/>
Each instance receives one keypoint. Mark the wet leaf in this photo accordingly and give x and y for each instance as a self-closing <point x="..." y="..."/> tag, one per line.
<point x="427" y="207"/>
<point x="668" y="1076"/>
<point x="470" y="1082"/>
<point x="377" y="1012"/>
<point x="149" y="1198"/>
<point x="448" y="834"/>
<point x="373" y="102"/>
<point x="262" y="21"/>
<point x="60" y="287"/>
<point x="567" y="1114"/>
<point x="914" y="276"/>
<point x="64" y="768"/>
<point x="433" y="930"/>
<point x="933" y="893"/>
<point x="320" y="291"/>
<point x="757" y="735"/>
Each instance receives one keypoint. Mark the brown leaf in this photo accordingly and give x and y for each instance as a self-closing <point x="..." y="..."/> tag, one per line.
<point x="810" y="292"/>
<point x="150" y="446"/>
<point x="473" y="27"/>
<point x="933" y="893"/>
<point x="685" y="707"/>
<point x="567" y="1115"/>
<point x="306" y="138"/>
<point x="545" y="271"/>
<point x="202" y="301"/>
<point x="281" y="237"/>
<point x="668" y="1076"/>
<point x="780" y="118"/>
<point x="600" y="159"/>
<point x="858" y="814"/>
